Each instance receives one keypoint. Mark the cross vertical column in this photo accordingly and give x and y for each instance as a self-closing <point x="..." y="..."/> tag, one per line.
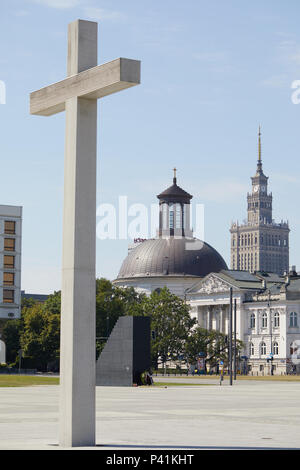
<point x="77" y="363"/>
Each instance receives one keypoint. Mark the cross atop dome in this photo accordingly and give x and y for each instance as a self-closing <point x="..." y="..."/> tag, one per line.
<point x="174" y="178"/>
<point x="174" y="193"/>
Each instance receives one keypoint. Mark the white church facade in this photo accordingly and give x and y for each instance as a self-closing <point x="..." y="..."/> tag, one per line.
<point x="267" y="316"/>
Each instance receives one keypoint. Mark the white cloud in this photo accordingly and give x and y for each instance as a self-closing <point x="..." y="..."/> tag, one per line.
<point x="276" y="81"/>
<point x="21" y="13"/>
<point x="223" y="190"/>
<point x="219" y="62"/>
<point x="210" y="56"/>
<point x="61" y="4"/>
<point x="103" y="14"/>
<point x="289" y="51"/>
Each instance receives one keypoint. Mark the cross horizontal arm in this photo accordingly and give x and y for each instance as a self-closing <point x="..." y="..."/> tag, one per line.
<point x="93" y="83"/>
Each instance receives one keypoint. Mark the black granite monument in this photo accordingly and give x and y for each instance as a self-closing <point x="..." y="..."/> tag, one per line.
<point x="126" y="354"/>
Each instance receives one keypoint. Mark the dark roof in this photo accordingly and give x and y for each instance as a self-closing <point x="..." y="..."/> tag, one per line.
<point x="270" y="277"/>
<point x="241" y="275"/>
<point x="294" y="285"/>
<point x="241" y="279"/>
<point x="171" y="257"/>
<point x="175" y="193"/>
<point x="37" y="297"/>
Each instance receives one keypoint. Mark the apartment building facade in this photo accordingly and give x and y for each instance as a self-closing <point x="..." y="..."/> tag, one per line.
<point x="10" y="261"/>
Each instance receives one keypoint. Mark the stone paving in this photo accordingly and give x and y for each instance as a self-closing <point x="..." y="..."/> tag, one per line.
<point x="251" y="414"/>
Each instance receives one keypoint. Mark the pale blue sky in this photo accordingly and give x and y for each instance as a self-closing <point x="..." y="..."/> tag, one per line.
<point x="211" y="72"/>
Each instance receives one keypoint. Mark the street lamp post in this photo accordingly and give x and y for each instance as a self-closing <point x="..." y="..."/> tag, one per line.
<point x="234" y="344"/>
<point x="271" y="331"/>
<point x="230" y="337"/>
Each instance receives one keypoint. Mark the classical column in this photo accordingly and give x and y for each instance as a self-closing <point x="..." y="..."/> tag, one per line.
<point x="208" y="319"/>
<point x="221" y="319"/>
<point x="226" y="319"/>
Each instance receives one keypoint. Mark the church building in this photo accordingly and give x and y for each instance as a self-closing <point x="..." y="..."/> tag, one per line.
<point x="267" y="302"/>
<point x="260" y="244"/>
<point x="175" y="258"/>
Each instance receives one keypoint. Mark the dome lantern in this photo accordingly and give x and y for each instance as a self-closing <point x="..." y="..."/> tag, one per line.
<point x="174" y="211"/>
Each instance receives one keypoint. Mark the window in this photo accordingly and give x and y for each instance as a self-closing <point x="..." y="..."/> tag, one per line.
<point x="276" y="319"/>
<point x="251" y="349"/>
<point x="293" y="320"/>
<point x="164" y="216"/>
<point x="263" y="349"/>
<point x="8" y="296"/>
<point x="264" y="320"/>
<point x="275" y="348"/>
<point x="9" y="227"/>
<point x="252" y="320"/>
<point x="8" y="279"/>
<point x="9" y="244"/>
<point x="178" y="216"/>
<point x="171" y="215"/>
<point x="185" y="211"/>
<point x="9" y="261"/>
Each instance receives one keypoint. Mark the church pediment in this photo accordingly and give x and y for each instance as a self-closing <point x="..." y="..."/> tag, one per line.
<point x="210" y="285"/>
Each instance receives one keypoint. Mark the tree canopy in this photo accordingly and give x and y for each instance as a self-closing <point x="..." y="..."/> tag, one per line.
<point x="171" y="324"/>
<point x="40" y="335"/>
<point x="175" y="334"/>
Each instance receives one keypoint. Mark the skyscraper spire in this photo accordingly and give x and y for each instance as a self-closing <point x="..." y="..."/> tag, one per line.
<point x="259" y="162"/>
<point x="259" y="144"/>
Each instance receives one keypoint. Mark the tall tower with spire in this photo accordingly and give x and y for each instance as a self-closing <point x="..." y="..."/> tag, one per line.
<point x="260" y="244"/>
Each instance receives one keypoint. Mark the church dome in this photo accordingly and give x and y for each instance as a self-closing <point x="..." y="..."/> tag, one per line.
<point x="171" y="257"/>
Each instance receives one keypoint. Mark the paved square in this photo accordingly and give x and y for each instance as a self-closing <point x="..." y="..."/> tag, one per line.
<point x="250" y="414"/>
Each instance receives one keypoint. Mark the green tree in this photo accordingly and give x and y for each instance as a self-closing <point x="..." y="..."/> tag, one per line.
<point x="11" y="334"/>
<point x="171" y="322"/>
<point x="213" y="343"/>
<point x="111" y="303"/>
<point x="41" y="333"/>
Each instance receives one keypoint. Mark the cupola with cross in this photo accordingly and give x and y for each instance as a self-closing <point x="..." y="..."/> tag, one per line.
<point x="174" y="211"/>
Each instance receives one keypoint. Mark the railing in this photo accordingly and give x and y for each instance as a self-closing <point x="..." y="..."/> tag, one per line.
<point x="10" y="371"/>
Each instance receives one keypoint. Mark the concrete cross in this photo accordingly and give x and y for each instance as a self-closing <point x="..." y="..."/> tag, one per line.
<point x="78" y="95"/>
